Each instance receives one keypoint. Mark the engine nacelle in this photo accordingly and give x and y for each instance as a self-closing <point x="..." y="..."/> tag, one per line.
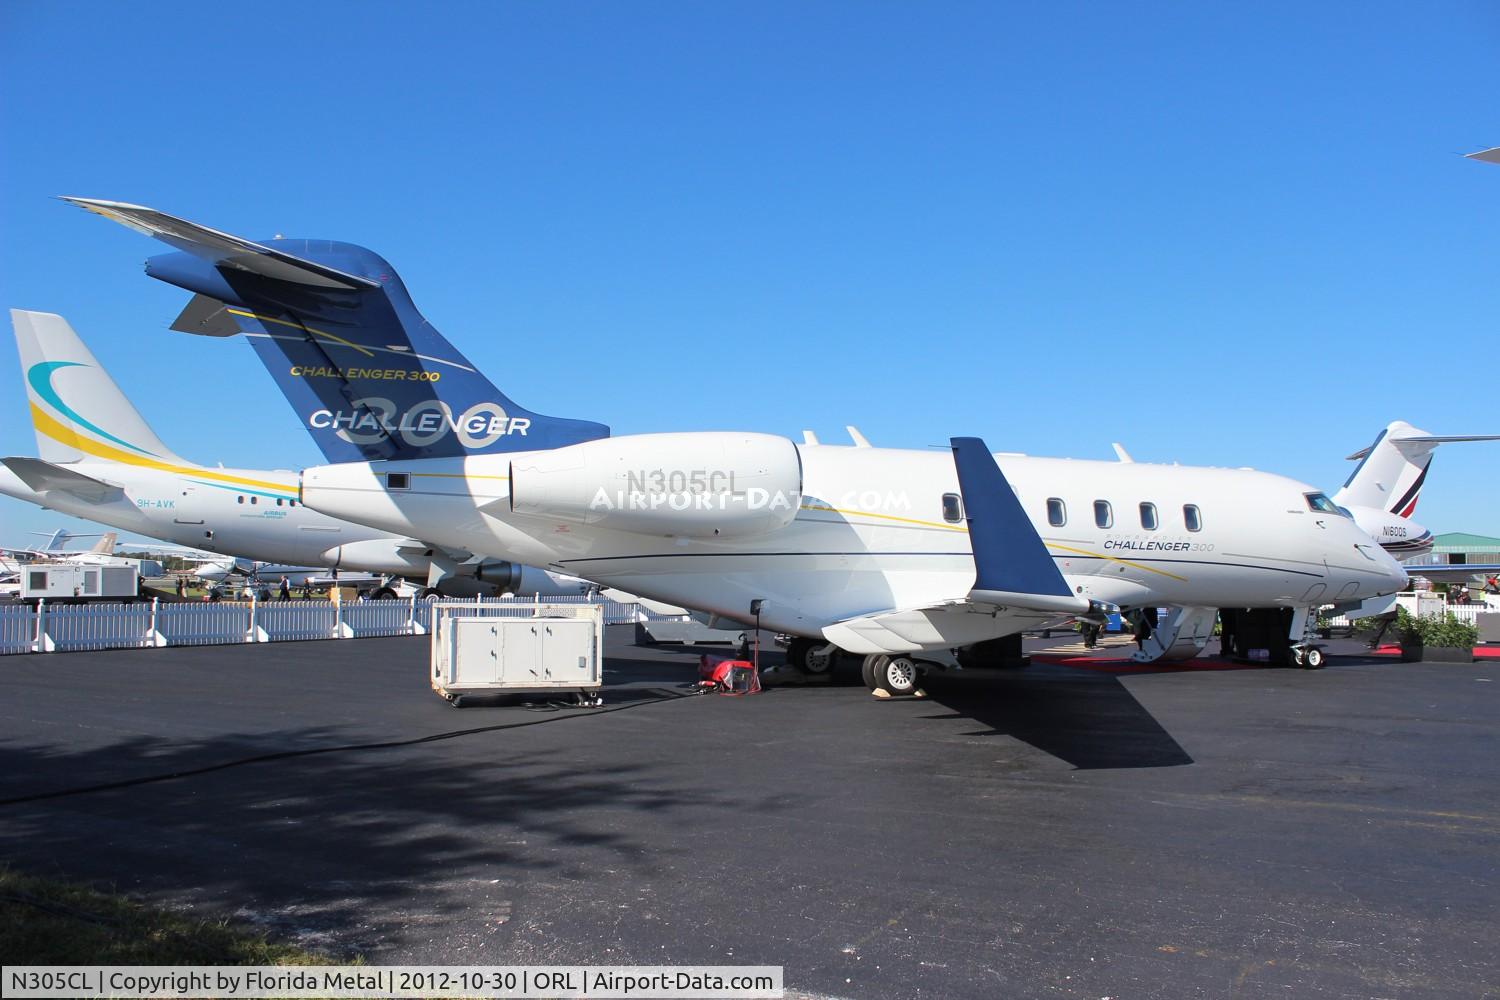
<point x="696" y="485"/>
<point x="393" y="556"/>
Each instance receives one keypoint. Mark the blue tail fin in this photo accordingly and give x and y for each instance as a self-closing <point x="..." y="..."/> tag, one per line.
<point x="367" y="374"/>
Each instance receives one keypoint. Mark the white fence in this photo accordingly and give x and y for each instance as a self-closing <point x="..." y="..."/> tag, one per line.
<point x="1418" y="604"/>
<point x="47" y="628"/>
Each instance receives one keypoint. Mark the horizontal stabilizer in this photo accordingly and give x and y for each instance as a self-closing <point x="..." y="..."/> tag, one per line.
<point x="45" y="476"/>
<point x="1413" y="440"/>
<point x="1012" y="565"/>
<point x="222" y="249"/>
<point x="207" y="317"/>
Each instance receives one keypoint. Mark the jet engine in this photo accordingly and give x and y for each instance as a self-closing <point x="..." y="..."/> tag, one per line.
<point x="695" y="485"/>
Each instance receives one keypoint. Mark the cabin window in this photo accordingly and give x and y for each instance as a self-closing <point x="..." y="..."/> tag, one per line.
<point x="254" y="501"/>
<point x="278" y="501"/>
<point x="1057" y="512"/>
<point x="239" y="499"/>
<point x="953" y="508"/>
<point x="1192" y="517"/>
<point x="1104" y="516"/>
<point x="397" y="481"/>
<point x="1148" y="516"/>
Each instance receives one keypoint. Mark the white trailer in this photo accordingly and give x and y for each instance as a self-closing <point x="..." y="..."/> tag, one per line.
<point x="79" y="582"/>
<point x="535" y="648"/>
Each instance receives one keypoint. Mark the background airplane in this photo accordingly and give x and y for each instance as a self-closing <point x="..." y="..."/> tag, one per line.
<point x="1381" y="495"/>
<point x="99" y="460"/>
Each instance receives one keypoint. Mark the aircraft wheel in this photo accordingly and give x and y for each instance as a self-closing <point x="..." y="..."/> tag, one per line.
<point x="899" y="675"/>
<point x="1313" y="659"/>
<point x="818" y="660"/>
<point x="430" y="594"/>
<point x="870" y="669"/>
<point x="796" y="654"/>
<point x="383" y="594"/>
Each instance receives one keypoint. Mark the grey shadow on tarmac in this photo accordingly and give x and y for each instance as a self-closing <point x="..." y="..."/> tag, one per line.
<point x="1087" y="719"/>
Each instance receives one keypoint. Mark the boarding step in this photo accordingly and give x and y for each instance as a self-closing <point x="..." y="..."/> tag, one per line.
<point x="1181" y="635"/>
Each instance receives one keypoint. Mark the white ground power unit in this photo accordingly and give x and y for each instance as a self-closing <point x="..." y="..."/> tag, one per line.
<point x="556" y="649"/>
<point x="78" y="582"/>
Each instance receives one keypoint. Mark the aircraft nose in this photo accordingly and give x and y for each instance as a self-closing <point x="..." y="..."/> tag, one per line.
<point x="1395" y="575"/>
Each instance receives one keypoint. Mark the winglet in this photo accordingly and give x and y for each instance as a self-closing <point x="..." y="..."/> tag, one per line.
<point x="1011" y="563"/>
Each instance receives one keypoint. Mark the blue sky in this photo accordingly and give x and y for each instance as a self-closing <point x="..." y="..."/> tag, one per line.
<point x="1222" y="235"/>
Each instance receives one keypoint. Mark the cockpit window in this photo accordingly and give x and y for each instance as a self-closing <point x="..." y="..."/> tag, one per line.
<point x="1320" y="502"/>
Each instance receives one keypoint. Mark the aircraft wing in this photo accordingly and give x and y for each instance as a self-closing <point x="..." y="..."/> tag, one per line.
<point x="45" y="476"/>
<point x="222" y="249"/>
<point x="1017" y="585"/>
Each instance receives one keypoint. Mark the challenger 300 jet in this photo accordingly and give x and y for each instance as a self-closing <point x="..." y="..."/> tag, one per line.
<point x="908" y="558"/>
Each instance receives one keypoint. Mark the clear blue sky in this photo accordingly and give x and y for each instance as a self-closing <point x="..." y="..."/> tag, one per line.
<point x="1222" y="236"/>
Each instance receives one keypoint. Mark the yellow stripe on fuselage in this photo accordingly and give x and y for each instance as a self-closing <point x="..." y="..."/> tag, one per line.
<point x="954" y="527"/>
<point x="65" y="435"/>
<point x="1122" y="562"/>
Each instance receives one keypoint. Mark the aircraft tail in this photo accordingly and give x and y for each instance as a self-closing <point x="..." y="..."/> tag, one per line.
<point x="369" y="377"/>
<point x="105" y="546"/>
<point x="77" y="410"/>
<point x="57" y="541"/>
<point x="1393" y="469"/>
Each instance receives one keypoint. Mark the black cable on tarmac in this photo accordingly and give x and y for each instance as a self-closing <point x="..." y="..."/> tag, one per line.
<point x="267" y="758"/>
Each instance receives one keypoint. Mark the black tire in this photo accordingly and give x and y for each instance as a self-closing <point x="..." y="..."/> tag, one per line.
<point x="383" y="594"/>
<point x="816" y="666"/>
<point x="869" y="668"/>
<point x="899" y="676"/>
<point x="430" y="594"/>
<point x="796" y="654"/>
<point x="1313" y="659"/>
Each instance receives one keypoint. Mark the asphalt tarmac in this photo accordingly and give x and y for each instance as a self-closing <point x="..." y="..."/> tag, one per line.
<point x="1046" y="832"/>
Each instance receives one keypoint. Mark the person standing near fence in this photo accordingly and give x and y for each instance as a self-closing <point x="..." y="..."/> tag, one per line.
<point x="285" y="589"/>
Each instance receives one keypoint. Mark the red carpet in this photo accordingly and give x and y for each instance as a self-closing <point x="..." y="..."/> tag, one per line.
<point x="1480" y="652"/>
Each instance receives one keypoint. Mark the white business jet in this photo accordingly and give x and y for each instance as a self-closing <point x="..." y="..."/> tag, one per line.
<point x="99" y="460"/>
<point x="907" y="558"/>
<point x="1382" y="492"/>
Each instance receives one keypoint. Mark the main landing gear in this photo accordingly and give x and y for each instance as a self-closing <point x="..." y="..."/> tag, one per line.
<point x="810" y="656"/>
<point x="890" y="675"/>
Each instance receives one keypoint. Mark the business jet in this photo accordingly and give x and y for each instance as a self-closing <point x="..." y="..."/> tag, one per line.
<point x="907" y="558"/>
<point x="1381" y="493"/>
<point x="99" y="460"/>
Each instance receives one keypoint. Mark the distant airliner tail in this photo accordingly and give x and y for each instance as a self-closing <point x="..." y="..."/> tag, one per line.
<point x="76" y="409"/>
<point x="368" y="376"/>
<point x="1392" y="470"/>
